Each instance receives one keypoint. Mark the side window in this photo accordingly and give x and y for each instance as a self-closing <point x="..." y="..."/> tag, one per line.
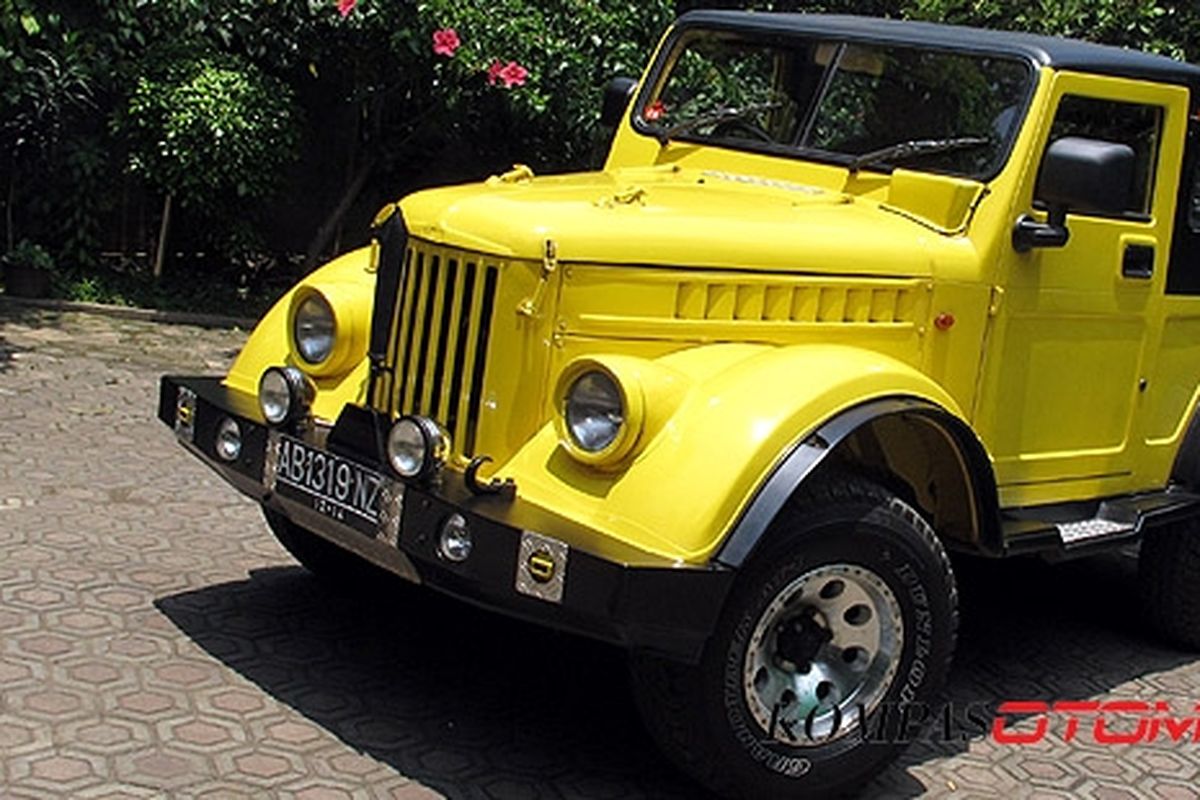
<point x="1132" y="124"/>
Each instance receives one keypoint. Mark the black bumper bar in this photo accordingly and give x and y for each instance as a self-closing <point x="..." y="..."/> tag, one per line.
<point x="611" y="592"/>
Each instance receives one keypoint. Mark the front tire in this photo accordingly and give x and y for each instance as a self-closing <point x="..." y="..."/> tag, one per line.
<point x="846" y="619"/>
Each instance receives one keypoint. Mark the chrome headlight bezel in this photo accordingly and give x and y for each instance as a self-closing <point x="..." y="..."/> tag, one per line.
<point x="417" y="447"/>
<point x="285" y="395"/>
<point x="591" y="394"/>
<point x="313" y="328"/>
<point x="594" y="411"/>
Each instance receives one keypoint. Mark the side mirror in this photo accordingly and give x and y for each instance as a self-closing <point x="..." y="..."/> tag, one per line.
<point x="1077" y="174"/>
<point x="616" y="99"/>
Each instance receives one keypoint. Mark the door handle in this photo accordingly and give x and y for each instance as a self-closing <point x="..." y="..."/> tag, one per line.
<point x="1138" y="262"/>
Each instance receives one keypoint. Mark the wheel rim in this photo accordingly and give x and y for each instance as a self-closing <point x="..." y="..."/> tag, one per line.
<point x="823" y="654"/>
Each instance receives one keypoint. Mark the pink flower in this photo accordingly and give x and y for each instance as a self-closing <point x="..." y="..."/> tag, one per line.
<point x="344" y="7"/>
<point x="445" y="42"/>
<point x="510" y="74"/>
<point x="654" y="112"/>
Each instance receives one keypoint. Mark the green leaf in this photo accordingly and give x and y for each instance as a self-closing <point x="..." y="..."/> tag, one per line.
<point x="30" y="24"/>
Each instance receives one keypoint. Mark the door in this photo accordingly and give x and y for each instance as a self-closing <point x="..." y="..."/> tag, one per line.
<point x="1065" y="363"/>
<point x="1175" y="374"/>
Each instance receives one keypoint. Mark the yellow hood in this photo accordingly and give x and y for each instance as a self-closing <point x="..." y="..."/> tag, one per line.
<point x="669" y="216"/>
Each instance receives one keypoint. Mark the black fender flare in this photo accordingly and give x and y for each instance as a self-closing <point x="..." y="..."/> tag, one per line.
<point x="804" y="459"/>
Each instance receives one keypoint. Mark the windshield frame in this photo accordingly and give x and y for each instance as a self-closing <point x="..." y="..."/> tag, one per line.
<point x="672" y="48"/>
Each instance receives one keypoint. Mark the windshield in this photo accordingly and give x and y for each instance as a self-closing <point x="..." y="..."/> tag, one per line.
<point x="870" y="106"/>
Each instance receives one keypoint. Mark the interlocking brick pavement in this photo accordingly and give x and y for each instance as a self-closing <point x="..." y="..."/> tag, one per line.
<point x="155" y="641"/>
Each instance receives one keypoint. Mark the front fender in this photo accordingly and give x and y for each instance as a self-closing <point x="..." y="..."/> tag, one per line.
<point x="349" y="283"/>
<point x="746" y="408"/>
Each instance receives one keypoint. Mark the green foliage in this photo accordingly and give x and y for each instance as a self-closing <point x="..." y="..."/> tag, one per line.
<point x="210" y="99"/>
<point x="41" y="89"/>
<point x="204" y="127"/>
<point x="571" y="48"/>
<point x="105" y="284"/>
<point x="28" y="254"/>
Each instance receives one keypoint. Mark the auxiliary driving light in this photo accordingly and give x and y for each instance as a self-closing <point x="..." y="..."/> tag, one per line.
<point x="455" y="543"/>
<point x="417" y="447"/>
<point x="229" y="440"/>
<point x="284" y="395"/>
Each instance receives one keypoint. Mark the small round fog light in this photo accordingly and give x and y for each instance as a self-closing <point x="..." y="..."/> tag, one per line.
<point x="229" y="440"/>
<point x="274" y="396"/>
<point x="417" y="447"/>
<point x="407" y="447"/>
<point x="284" y="395"/>
<point x="455" y="542"/>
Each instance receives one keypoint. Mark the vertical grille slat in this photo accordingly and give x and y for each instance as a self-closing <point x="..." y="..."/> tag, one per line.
<point x="440" y="336"/>
<point x="393" y="349"/>
<point x="485" y="328"/>
<point x="435" y="343"/>
<point x="423" y="324"/>
<point x="412" y="291"/>
<point x="446" y="340"/>
<point x="468" y="320"/>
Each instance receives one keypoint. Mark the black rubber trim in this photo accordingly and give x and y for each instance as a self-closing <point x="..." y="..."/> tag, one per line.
<point x="1048" y="51"/>
<point x="393" y="241"/>
<point x="808" y="455"/>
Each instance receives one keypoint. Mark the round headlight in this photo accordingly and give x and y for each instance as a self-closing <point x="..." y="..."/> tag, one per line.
<point x="406" y="447"/>
<point x="229" y="440"/>
<point x="274" y="396"/>
<point x="417" y="446"/>
<point x="284" y="394"/>
<point x="594" y="411"/>
<point x="313" y="329"/>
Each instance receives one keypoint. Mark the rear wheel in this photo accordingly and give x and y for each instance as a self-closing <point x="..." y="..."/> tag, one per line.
<point x="846" y="621"/>
<point x="1169" y="578"/>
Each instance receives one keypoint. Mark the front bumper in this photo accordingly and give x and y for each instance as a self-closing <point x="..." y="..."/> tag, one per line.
<point x="608" y="590"/>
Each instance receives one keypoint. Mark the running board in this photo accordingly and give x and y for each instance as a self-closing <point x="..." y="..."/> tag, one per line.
<point x="1074" y="529"/>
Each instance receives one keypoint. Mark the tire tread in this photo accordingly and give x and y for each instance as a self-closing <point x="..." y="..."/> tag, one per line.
<point x="665" y="691"/>
<point x="1169" y="578"/>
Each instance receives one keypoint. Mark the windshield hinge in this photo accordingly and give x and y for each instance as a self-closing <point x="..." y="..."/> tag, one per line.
<point x="530" y="306"/>
<point x="520" y="173"/>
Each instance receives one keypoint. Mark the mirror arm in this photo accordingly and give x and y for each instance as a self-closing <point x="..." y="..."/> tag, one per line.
<point x="1028" y="233"/>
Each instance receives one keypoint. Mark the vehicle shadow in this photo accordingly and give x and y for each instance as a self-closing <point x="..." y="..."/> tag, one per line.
<point x="462" y="699"/>
<point x="465" y="701"/>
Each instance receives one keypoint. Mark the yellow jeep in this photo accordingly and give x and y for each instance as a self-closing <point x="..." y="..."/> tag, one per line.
<point x="847" y="294"/>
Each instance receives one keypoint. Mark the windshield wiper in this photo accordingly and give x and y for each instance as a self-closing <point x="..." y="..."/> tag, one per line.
<point x="715" y="118"/>
<point x="915" y="147"/>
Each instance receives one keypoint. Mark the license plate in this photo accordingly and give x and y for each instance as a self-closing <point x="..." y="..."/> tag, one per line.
<point x="332" y="485"/>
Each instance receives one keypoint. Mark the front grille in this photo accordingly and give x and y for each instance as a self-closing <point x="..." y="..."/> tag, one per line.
<point x="439" y="341"/>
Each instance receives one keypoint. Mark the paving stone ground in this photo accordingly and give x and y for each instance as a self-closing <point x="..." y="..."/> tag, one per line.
<point x="156" y="642"/>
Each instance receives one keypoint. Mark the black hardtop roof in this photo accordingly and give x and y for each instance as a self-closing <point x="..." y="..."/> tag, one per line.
<point x="1044" y="50"/>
